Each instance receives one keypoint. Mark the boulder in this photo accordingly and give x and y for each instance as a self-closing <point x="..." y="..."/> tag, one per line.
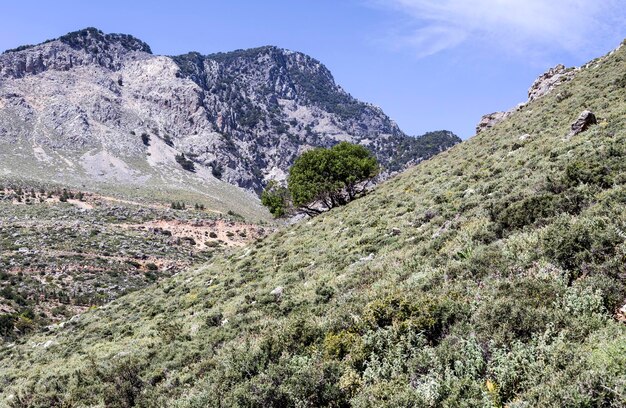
<point x="585" y="119"/>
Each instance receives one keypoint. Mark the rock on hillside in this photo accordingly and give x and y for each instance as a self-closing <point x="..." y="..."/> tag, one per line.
<point x="543" y="85"/>
<point x="549" y="80"/>
<point x="241" y="116"/>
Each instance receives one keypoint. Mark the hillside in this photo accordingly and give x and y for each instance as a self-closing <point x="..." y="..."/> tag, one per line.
<point x="63" y="251"/>
<point x="101" y="110"/>
<point x="491" y="275"/>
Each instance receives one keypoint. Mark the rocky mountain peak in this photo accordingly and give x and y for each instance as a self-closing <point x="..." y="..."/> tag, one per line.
<point x="286" y="74"/>
<point x="78" y="48"/>
<point x="93" y="40"/>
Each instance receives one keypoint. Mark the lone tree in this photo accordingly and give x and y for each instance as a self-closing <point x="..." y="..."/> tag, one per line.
<point x="321" y="179"/>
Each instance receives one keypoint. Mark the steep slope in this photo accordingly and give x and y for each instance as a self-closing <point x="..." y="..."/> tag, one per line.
<point x="100" y="108"/>
<point x="67" y="121"/>
<point x="490" y="275"/>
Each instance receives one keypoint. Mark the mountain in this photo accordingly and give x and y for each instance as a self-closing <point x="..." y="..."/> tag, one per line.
<point x="489" y="275"/>
<point x="100" y="109"/>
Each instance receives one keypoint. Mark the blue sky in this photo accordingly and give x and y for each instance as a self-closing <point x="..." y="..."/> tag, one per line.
<point x="429" y="64"/>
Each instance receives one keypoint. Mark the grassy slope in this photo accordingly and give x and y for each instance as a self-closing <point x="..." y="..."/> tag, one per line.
<point x="486" y="276"/>
<point x="148" y="184"/>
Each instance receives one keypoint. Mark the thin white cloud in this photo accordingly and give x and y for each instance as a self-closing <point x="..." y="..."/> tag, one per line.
<point x="522" y="26"/>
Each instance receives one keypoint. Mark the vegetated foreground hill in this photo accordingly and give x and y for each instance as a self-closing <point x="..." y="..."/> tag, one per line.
<point x="102" y="110"/>
<point x="490" y="275"/>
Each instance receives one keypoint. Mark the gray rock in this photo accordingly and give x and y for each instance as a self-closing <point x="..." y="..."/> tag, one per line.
<point x="277" y="291"/>
<point x="548" y="81"/>
<point x="490" y="120"/>
<point x="542" y="86"/>
<point x="585" y="119"/>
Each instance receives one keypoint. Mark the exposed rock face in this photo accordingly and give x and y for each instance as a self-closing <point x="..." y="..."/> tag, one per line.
<point x="243" y="116"/>
<point x="490" y="120"/>
<point x="585" y="119"/>
<point x="86" y="47"/>
<point x="548" y="81"/>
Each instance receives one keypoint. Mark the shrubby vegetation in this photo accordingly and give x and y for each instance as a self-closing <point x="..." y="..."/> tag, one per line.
<point x="89" y="39"/>
<point x="490" y="275"/>
<point x="185" y="163"/>
<point x="276" y="198"/>
<point x="58" y="259"/>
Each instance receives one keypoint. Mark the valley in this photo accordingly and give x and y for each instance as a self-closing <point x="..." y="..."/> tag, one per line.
<point x="63" y="252"/>
<point x="138" y="267"/>
<point x="491" y="274"/>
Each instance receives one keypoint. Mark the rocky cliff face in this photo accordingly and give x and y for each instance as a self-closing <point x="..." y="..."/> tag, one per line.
<point x="80" y="48"/>
<point x="115" y="111"/>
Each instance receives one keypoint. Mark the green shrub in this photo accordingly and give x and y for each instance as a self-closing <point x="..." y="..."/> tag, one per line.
<point x="516" y="309"/>
<point x="339" y="345"/>
<point x="571" y="243"/>
<point x="7" y="323"/>
<point x="589" y="172"/>
<point x="276" y="199"/>
<point x="214" y="319"/>
<point x="185" y="163"/>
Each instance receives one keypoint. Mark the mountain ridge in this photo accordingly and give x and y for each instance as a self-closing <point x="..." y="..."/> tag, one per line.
<point x="90" y="33"/>
<point x="242" y="116"/>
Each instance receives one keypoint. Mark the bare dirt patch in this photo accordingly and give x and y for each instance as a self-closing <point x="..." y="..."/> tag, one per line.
<point x="205" y="233"/>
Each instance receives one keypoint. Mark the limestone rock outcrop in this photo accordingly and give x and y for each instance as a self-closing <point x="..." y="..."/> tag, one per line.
<point x="549" y="80"/>
<point x="542" y="86"/>
<point x="102" y="100"/>
<point x="490" y="120"/>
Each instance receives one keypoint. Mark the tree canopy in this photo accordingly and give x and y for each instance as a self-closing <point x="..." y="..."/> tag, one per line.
<point x="276" y="198"/>
<point x="322" y="178"/>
